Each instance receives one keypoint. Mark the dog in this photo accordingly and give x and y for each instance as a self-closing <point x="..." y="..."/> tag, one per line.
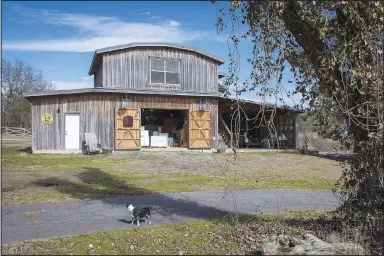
<point x="139" y="213"/>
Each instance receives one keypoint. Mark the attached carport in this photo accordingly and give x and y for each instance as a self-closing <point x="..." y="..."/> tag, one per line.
<point x="260" y="123"/>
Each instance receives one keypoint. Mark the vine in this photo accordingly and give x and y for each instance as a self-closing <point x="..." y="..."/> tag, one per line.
<point x="334" y="50"/>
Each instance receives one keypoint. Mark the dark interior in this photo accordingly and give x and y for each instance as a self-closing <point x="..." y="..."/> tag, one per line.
<point x="255" y="132"/>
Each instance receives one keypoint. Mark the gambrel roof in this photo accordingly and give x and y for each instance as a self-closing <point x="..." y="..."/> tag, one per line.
<point x="99" y="52"/>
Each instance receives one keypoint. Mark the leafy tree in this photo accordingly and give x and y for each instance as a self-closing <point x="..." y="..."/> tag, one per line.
<point x="16" y="78"/>
<point x="335" y="51"/>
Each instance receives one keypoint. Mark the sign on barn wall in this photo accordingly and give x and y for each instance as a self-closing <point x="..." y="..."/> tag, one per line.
<point x="47" y="118"/>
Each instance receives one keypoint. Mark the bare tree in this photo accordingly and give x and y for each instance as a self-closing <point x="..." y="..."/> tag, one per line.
<point x="18" y="77"/>
<point x="335" y="52"/>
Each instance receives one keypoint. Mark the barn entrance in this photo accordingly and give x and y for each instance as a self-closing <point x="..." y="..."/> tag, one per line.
<point x="200" y="133"/>
<point x="127" y="126"/>
<point x="164" y="128"/>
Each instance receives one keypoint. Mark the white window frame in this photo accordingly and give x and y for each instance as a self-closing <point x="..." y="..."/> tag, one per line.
<point x="164" y="71"/>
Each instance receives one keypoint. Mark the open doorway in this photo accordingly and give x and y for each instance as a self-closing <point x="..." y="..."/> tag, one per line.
<point x="164" y="128"/>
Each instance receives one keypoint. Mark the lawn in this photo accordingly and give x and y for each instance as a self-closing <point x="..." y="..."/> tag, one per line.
<point x="216" y="237"/>
<point x="31" y="178"/>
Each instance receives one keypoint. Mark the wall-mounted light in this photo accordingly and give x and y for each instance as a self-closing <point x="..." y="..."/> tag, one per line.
<point x="58" y="111"/>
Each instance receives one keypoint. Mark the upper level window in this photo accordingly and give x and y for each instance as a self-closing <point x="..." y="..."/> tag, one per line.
<point x="164" y="71"/>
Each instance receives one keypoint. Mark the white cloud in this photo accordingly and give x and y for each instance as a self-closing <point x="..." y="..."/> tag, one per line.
<point x="172" y="23"/>
<point x="96" y="32"/>
<point x="155" y="17"/>
<point x="83" y="82"/>
<point x="221" y="37"/>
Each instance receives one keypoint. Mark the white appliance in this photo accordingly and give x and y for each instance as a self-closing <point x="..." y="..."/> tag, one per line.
<point x="159" y="141"/>
<point x="170" y="142"/>
<point x="144" y="138"/>
<point x="163" y="134"/>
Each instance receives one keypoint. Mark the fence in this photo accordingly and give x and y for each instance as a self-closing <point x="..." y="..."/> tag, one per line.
<point x="15" y="130"/>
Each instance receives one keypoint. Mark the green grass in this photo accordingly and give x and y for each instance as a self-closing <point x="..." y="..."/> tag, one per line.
<point x="33" y="178"/>
<point x="189" y="238"/>
<point x="197" y="238"/>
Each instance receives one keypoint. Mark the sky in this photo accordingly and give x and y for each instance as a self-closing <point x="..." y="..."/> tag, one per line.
<point x="60" y="38"/>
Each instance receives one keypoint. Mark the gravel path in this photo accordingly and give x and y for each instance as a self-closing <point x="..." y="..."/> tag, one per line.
<point x="24" y="222"/>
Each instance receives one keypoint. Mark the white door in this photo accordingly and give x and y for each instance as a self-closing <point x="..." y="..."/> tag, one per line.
<point x="72" y="131"/>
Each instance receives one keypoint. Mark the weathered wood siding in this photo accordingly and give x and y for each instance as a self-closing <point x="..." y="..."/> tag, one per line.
<point x="98" y="77"/>
<point x="131" y="69"/>
<point x="97" y="114"/>
<point x="200" y="129"/>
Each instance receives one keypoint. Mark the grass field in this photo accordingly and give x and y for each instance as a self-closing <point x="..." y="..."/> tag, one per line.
<point x="29" y="178"/>
<point x="216" y="237"/>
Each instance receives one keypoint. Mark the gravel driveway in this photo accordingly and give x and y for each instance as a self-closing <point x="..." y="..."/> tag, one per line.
<point x="24" y="222"/>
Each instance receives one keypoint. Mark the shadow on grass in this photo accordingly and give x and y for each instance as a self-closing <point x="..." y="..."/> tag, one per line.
<point x="94" y="183"/>
<point x="26" y="150"/>
<point x="335" y="157"/>
<point x="329" y="221"/>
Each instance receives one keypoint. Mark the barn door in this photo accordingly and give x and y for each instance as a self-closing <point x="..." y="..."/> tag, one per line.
<point x="127" y="137"/>
<point x="200" y="135"/>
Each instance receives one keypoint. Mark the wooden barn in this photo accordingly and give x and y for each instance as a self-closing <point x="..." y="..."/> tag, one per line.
<point x="145" y="95"/>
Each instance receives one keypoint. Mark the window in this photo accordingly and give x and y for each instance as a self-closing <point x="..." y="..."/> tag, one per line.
<point x="164" y="71"/>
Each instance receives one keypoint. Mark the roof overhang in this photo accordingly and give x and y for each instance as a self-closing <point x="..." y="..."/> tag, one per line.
<point x="99" y="52"/>
<point x="30" y="95"/>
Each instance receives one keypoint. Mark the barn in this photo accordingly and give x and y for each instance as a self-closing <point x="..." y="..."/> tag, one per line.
<point x="145" y="95"/>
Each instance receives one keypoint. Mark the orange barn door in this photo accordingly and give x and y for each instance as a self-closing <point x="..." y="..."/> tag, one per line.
<point x="127" y="137"/>
<point x="200" y="134"/>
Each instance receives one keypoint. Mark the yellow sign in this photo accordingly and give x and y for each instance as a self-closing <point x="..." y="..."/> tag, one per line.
<point x="47" y="118"/>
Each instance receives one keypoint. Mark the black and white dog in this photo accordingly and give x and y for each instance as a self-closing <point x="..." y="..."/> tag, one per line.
<point x="139" y="213"/>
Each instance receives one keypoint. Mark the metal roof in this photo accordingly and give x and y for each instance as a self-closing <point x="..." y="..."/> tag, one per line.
<point x="99" y="52"/>
<point x="269" y="105"/>
<point x="28" y="95"/>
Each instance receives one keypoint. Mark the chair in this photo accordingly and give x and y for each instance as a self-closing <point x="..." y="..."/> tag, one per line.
<point x="91" y="145"/>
